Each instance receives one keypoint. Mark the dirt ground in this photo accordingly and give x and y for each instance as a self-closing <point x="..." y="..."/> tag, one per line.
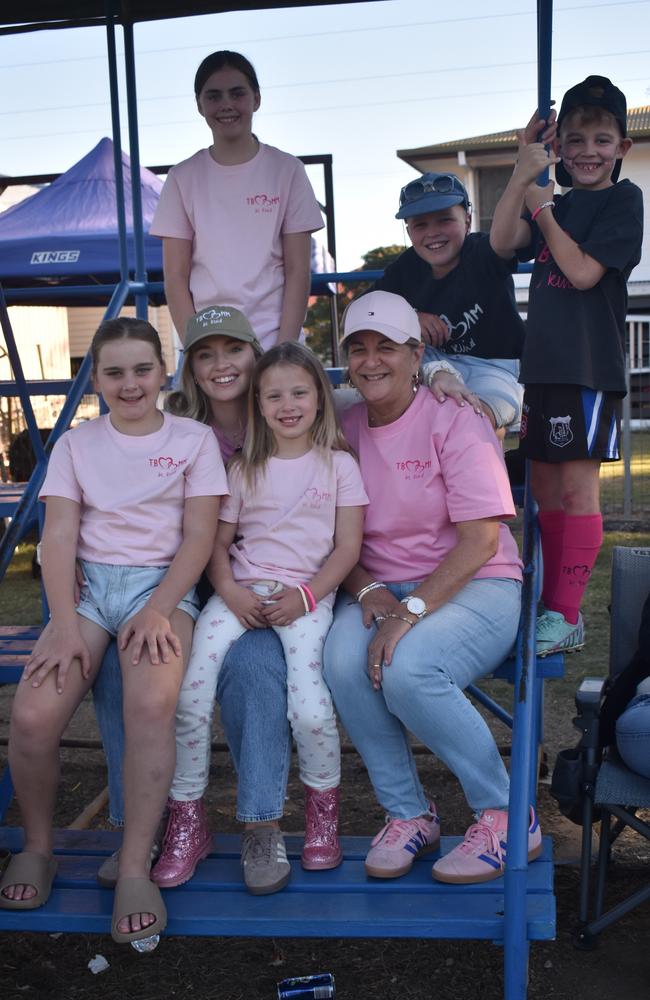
<point x="53" y="966"/>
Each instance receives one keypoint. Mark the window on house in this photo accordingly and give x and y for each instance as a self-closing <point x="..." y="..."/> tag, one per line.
<point x="491" y="185"/>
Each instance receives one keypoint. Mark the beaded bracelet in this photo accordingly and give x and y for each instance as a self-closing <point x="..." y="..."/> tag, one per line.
<point x="402" y="619"/>
<point x="310" y="597"/>
<point x="545" y="204"/>
<point x="370" y="586"/>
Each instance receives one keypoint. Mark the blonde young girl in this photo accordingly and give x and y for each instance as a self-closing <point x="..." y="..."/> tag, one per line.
<point x="134" y="495"/>
<point x="288" y="536"/>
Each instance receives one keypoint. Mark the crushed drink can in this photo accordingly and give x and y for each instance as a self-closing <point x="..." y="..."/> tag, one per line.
<point x="146" y="945"/>
<point x="318" y="987"/>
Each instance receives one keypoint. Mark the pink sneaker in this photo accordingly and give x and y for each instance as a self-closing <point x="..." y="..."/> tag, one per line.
<point x="187" y="841"/>
<point x="482" y="854"/>
<point x="400" y="842"/>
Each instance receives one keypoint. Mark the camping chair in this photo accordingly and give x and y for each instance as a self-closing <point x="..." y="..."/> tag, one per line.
<point x="610" y="790"/>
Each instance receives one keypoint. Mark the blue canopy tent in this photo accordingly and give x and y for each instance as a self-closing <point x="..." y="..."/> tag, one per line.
<point x="67" y="233"/>
<point x="512" y="921"/>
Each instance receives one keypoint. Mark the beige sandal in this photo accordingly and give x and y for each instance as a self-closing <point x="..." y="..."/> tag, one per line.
<point x="28" y="868"/>
<point x="137" y="895"/>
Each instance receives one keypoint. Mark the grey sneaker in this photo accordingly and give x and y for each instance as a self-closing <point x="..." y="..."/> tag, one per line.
<point x="264" y="860"/>
<point x="107" y="871"/>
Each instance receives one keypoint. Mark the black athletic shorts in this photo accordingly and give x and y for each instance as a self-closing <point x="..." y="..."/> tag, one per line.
<point x="569" y="423"/>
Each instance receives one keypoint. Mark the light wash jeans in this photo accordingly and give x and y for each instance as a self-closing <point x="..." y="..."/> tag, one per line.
<point x="252" y="691"/>
<point x="633" y="735"/>
<point x="494" y="380"/>
<point x="422" y="692"/>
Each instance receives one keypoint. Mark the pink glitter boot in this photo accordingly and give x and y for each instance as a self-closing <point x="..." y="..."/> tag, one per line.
<point x="321" y="848"/>
<point x="187" y="841"/>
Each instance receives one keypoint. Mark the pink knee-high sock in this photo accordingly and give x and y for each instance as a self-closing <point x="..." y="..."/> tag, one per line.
<point x="583" y="537"/>
<point x="551" y="530"/>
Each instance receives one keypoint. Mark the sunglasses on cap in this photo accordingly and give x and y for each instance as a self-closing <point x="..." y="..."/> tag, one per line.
<point x="439" y="184"/>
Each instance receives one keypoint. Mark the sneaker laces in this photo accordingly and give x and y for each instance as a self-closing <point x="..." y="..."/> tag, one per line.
<point x="397" y="830"/>
<point x="548" y="624"/>
<point x="258" y="845"/>
<point x="481" y="839"/>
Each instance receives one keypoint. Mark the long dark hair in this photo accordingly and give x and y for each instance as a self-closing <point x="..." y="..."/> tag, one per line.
<point x="220" y="60"/>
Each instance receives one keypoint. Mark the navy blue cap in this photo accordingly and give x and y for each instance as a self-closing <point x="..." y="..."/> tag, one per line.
<point x="430" y="193"/>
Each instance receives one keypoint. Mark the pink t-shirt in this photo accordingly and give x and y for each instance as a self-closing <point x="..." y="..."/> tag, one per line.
<point x="432" y="467"/>
<point x="286" y="524"/>
<point x="132" y="489"/>
<point x="236" y="217"/>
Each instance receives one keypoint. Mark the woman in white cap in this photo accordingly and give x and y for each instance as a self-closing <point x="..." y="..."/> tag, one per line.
<point x="436" y="598"/>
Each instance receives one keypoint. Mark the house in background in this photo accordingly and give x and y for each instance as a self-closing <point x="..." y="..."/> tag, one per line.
<point x="484" y="163"/>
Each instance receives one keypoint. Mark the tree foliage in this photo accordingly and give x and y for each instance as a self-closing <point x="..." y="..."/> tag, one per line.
<point x="318" y="324"/>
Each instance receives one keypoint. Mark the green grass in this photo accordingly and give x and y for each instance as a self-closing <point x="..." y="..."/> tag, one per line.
<point x="612" y="477"/>
<point x="20" y="595"/>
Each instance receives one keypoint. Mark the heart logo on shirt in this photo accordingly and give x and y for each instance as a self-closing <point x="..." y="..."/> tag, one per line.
<point x="166" y="462"/>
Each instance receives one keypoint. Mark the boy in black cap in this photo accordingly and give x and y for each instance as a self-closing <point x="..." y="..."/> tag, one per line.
<point x="463" y="293"/>
<point x="585" y="244"/>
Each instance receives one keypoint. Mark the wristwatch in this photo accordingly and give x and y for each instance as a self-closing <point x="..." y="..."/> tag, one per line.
<point x="415" y="606"/>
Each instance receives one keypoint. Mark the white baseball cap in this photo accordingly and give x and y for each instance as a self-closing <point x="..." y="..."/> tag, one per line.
<point x="382" y="312"/>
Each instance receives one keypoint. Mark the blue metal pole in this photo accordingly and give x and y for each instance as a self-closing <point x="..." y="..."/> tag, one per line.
<point x="134" y="151"/>
<point x="526" y="711"/>
<point x="515" y="922"/>
<point x="25" y="508"/>
<point x="117" y="141"/>
<point x="544" y="61"/>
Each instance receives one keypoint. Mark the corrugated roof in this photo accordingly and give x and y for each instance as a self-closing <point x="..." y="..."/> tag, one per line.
<point x="638" y="126"/>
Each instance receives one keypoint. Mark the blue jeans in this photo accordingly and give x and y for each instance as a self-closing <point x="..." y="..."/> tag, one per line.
<point x="633" y="735"/>
<point x="422" y="692"/>
<point x="252" y="691"/>
<point x="493" y="380"/>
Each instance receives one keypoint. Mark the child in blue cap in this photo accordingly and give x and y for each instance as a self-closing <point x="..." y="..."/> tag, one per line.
<point x="585" y="244"/>
<point x="463" y="293"/>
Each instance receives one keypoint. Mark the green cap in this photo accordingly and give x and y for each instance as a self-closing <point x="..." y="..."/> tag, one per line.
<point x="220" y="321"/>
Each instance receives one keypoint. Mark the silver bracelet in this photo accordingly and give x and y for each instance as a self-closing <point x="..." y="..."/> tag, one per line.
<point x="432" y="367"/>
<point x="375" y="585"/>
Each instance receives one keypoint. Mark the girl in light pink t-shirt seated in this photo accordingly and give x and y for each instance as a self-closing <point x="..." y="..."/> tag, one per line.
<point x="290" y="533"/>
<point x="236" y="218"/>
<point x="134" y="495"/>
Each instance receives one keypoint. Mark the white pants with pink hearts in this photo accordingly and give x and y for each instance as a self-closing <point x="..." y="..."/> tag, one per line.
<point x="309" y="702"/>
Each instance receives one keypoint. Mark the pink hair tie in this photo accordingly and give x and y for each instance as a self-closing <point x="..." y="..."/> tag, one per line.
<point x="310" y="596"/>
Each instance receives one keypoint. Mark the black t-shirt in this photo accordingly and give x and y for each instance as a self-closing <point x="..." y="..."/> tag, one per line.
<point x="476" y="300"/>
<point x="578" y="337"/>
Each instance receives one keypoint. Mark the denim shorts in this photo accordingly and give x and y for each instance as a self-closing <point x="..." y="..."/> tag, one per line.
<point x="494" y="381"/>
<point x="111" y="595"/>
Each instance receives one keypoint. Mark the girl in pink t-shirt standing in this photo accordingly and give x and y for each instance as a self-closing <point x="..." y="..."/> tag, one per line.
<point x="288" y="536"/>
<point x="236" y="219"/>
<point x="134" y="495"/>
